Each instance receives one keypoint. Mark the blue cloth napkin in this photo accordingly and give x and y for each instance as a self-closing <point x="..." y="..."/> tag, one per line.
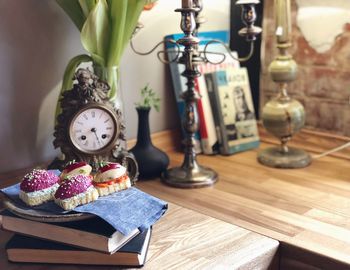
<point x="125" y="210"/>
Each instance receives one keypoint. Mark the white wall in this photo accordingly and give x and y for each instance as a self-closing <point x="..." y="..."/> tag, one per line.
<point x="37" y="40"/>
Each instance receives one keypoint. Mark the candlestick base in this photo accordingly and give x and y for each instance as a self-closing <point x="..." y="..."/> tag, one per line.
<point x="196" y="177"/>
<point x="276" y="158"/>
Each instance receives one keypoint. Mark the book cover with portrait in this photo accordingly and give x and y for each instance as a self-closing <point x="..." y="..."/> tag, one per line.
<point x="233" y="110"/>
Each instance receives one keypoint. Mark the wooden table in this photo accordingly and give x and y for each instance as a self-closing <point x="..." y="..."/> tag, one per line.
<point x="307" y="210"/>
<point x="184" y="239"/>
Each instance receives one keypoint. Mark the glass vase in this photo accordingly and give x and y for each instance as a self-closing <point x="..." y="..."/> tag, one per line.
<point x="111" y="75"/>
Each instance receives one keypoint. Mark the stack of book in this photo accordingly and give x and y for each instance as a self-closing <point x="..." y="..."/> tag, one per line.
<point x="91" y="241"/>
<point x="227" y="123"/>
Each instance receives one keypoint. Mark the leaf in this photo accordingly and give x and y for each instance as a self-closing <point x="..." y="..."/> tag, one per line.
<point x="118" y="14"/>
<point x="149" y="98"/>
<point x="156" y="107"/>
<point x="67" y="82"/>
<point x="96" y="30"/>
<point x="74" y="11"/>
<point x="135" y="8"/>
<point x="91" y="3"/>
<point x="87" y="6"/>
<point x="98" y="60"/>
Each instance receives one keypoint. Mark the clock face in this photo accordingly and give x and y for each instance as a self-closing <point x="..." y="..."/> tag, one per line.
<point x="93" y="129"/>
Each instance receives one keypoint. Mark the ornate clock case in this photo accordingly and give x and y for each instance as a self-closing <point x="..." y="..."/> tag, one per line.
<point x="90" y="128"/>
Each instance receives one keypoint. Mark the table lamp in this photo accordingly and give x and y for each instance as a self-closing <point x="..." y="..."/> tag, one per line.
<point x="283" y="116"/>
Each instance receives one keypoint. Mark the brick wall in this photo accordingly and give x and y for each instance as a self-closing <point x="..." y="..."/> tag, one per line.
<point x="323" y="82"/>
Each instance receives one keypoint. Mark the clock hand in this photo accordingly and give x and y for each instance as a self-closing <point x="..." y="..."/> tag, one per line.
<point x="94" y="131"/>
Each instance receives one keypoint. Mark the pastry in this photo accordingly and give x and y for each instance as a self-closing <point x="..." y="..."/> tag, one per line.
<point x="110" y="178"/>
<point x="75" y="190"/>
<point x="38" y="187"/>
<point x="76" y="168"/>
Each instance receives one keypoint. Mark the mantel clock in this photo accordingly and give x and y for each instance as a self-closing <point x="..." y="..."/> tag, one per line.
<point x="90" y="128"/>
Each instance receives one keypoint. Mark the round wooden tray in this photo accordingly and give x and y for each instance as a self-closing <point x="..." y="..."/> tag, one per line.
<point x="41" y="215"/>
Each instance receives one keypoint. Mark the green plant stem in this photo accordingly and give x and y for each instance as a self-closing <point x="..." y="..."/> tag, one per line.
<point x="68" y="76"/>
<point x="111" y="76"/>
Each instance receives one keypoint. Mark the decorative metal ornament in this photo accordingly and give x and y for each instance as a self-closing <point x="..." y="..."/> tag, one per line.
<point x="90" y="128"/>
<point x="283" y="116"/>
<point x="190" y="174"/>
<point x="249" y="17"/>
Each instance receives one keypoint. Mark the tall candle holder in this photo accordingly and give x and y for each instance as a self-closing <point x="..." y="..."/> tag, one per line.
<point x="191" y="174"/>
<point x="283" y="116"/>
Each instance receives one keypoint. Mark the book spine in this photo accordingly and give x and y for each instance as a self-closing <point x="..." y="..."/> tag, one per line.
<point x="53" y="233"/>
<point x="214" y="98"/>
<point x="70" y="257"/>
<point x="210" y="143"/>
<point x="220" y="83"/>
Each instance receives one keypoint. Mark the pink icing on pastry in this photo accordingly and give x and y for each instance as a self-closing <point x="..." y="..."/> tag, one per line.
<point x="38" y="180"/>
<point x="109" y="166"/>
<point x="75" y="165"/>
<point x="73" y="186"/>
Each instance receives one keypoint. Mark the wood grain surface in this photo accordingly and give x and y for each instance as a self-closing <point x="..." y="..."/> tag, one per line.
<point x="306" y="209"/>
<point x="184" y="239"/>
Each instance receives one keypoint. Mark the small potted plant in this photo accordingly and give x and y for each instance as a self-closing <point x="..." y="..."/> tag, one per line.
<point x="151" y="160"/>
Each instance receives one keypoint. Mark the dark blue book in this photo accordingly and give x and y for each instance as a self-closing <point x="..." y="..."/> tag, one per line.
<point x="93" y="233"/>
<point x="31" y="250"/>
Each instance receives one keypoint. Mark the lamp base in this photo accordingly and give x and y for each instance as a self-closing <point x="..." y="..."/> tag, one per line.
<point x="190" y="177"/>
<point x="274" y="157"/>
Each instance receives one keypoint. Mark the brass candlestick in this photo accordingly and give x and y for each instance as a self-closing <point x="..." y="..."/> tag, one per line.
<point x="190" y="174"/>
<point x="283" y="116"/>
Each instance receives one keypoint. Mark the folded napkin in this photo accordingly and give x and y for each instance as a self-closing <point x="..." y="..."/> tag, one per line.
<point x="125" y="210"/>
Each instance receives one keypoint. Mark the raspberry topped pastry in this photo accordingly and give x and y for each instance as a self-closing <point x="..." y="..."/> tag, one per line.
<point x="74" y="191"/>
<point x="110" y="178"/>
<point x="38" y="187"/>
<point x="76" y="168"/>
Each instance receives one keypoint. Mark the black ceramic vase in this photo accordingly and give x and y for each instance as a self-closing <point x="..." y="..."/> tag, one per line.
<point x="151" y="160"/>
